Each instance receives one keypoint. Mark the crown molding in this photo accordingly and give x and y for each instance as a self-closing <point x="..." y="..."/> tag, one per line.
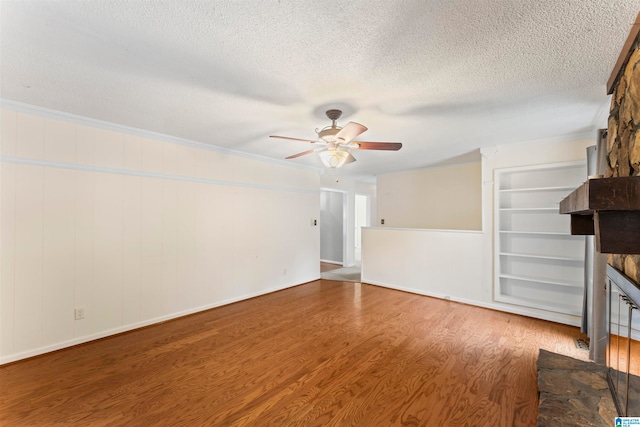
<point x="87" y="121"/>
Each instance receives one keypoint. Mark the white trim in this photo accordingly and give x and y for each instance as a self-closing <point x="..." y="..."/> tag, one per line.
<point x="428" y="230"/>
<point x="335" y="190"/>
<point x="87" y="338"/>
<point x="367" y="222"/>
<point x="73" y="118"/>
<point x="87" y="168"/>
<point x="549" y="316"/>
<point x="537" y="166"/>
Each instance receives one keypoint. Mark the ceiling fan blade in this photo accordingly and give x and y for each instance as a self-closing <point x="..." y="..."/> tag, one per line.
<point x="292" y="139"/>
<point x="391" y="146"/>
<point x="304" y="153"/>
<point x="350" y="132"/>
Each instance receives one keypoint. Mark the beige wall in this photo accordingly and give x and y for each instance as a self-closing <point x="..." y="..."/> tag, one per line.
<point x="445" y="198"/>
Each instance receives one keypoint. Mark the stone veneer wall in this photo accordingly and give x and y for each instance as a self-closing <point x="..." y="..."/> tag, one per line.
<point x="623" y="143"/>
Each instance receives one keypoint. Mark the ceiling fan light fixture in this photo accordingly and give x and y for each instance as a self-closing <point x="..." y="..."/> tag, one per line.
<point x="333" y="158"/>
<point x="328" y="134"/>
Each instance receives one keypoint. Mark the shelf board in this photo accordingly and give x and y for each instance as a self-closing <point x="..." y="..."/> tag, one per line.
<point x="541" y="233"/>
<point x="532" y="279"/>
<point x="554" y="258"/>
<point x="608" y="208"/>
<point x="558" y="308"/>
<point x="530" y="209"/>
<point x="532" y="193"/>
<point x="531" y="189"/>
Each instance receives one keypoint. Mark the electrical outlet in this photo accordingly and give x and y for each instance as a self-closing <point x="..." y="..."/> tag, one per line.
<point x="382" y="221"/>
<point x="79" y="313"/>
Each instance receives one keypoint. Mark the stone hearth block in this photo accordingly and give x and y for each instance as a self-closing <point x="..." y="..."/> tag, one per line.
<point x="573" y="392"/>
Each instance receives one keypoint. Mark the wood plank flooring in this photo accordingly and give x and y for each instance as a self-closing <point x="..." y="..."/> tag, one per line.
<point x="321" y="354"/>
<point x="327" y="266"/>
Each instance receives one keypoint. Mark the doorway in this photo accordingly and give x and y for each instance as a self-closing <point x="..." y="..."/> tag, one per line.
<point x="332" y="226"/>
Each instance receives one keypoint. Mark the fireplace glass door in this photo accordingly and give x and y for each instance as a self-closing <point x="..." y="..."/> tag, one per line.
<point x="623" y="357"/>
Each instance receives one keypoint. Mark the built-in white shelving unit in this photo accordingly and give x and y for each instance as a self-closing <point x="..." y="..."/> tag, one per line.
<point x="538" y="263"/>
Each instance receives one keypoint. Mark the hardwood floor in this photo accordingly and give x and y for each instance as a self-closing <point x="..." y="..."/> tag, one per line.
<point x="327" y="266"/>
<point x="321" y="354"/>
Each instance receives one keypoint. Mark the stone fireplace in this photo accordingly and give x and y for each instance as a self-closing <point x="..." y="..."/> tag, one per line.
<point x="609" y="208"/>
<point x="623" y="272"/>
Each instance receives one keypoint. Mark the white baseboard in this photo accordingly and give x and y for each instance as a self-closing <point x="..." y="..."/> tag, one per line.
<point x="558" y="318"/>
<point x="103" y="334"/>
<point x="507" y="308"/>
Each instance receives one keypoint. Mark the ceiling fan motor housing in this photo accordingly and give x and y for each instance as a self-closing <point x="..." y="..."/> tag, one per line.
<point x="328" y="134"/>
<point x="334" y="114"/>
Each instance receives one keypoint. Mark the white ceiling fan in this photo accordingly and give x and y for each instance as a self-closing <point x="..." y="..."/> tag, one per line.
<point x="336" y="143"/>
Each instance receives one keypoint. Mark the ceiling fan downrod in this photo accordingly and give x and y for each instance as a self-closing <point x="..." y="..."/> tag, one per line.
<point x="333" y="116"/>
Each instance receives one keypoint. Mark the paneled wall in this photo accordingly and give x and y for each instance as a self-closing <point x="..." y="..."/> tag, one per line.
<point x="136" y="229"/>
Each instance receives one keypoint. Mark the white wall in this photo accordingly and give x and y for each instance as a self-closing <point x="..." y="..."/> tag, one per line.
<point x="439" y="263"/>
<point x="446" y="198"/>
<point x="350" y="187"/>
<point x="459" y="264"/>
<point x="136" y="229"/>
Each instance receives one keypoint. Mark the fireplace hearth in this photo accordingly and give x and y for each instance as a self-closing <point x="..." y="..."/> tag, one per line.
<point x="573" y="392"/>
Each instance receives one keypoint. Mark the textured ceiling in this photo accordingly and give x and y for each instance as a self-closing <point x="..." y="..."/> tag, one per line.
<point x="444" y="77"/>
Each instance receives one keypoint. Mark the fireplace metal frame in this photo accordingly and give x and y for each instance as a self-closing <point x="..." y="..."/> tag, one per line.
<point x="630" y="294"/>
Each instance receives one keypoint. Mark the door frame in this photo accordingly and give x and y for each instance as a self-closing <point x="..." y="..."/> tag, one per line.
<point x="367" y="220"/>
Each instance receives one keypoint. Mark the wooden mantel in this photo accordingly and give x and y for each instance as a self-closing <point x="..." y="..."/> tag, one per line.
<point x="608" y="208"/>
